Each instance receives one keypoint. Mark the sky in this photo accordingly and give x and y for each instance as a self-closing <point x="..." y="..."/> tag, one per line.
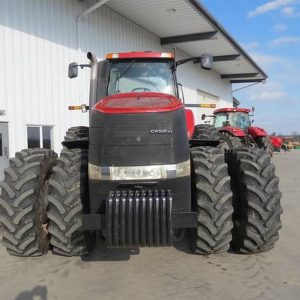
<point x="269" y="30"/>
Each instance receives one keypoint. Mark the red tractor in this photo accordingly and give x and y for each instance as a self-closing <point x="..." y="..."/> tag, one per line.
<point x="234" y="126"/>
<point x="277" y="143"/>
<point x="136" y="176"/>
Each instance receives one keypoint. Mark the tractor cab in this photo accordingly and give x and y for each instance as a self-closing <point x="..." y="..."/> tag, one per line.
<point x="137" y="82"/>
<point x="135" y="72"/>
<point x="236" y="117"/>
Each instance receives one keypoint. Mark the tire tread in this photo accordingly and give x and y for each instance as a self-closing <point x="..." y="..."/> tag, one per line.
<point x="22" y="206"/>
<point x="67" y="196"/>
<point x="257" y="207"/>
<point x="212" y="190"/>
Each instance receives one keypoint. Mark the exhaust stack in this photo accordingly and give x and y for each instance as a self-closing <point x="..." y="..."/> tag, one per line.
<point x="94" y="73"/>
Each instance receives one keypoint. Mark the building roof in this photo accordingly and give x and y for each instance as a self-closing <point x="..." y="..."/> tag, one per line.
<point x="187" y="25"/>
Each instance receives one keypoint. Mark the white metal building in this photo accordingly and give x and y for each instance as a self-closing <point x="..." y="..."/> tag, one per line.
<point x="39" y="38"/>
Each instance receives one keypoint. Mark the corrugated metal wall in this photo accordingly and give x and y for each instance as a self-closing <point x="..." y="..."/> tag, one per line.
<point x="39" y="38"/>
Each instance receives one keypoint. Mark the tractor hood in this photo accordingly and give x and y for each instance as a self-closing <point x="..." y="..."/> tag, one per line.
<point x="257" y="132"/>
<point x="131" y="103"/>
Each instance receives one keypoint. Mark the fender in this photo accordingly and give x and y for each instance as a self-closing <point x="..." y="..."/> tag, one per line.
<point x="276" y="141"/>
<point x="190" y="122"/>
<point x="257" y="132"/>
<point x="235" y="131"/>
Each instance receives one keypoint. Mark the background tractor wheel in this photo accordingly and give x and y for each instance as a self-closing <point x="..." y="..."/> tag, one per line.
<point x="206" y="132"/>
<point x="68" y="198"/>
<point x="265" y="144"/>
<point x="214" y="200"/>
<point x="23" y="219"/>
<point x="77" y="133"/>
<point x="233" y="142"/>
<point x="225" y="143"/>
<point x="256" y="199"/>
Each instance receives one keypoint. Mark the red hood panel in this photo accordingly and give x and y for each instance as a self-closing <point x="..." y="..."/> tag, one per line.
<point x="131" y="103"/>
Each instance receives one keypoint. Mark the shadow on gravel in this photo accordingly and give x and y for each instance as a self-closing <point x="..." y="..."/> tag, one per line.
<point x="101" y="253"/>
<point x="37" y="293"/>
<point x="187" y="243"/>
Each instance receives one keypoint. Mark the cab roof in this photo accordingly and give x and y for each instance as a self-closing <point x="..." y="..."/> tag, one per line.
<point x="232" y="109"/>
<point x="144" y="54"/>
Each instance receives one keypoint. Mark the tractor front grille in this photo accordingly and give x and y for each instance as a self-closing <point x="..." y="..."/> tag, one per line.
<point x="139" y="218"/>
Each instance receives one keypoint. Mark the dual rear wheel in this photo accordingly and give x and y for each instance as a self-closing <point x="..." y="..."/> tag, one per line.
<point x="41" y="203"/>
<point x="238" y="202"/>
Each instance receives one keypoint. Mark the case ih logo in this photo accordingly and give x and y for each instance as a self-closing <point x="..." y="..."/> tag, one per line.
<point x="161" y="131"/>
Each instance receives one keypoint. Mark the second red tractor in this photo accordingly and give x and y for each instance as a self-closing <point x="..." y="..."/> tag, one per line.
<point x="234" y="127"/>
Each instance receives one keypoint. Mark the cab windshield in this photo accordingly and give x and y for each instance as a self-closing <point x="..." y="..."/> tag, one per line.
<point x="236" y="119"/>
<point x="141" y="76"/>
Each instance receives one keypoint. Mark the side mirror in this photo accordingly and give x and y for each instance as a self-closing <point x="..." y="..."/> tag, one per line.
<point x="203" y="116"/>
<point x="181" y="90"/>
<point x="73" y="70"/>
<point x="207" y="61"/>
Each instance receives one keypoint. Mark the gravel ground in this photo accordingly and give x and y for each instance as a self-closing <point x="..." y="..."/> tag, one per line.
<point x="168" y="273"/>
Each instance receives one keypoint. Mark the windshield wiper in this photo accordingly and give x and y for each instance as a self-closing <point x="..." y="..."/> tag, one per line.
<point x="126" y="70"/>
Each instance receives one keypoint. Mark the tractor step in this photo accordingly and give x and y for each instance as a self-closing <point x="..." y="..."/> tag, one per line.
<point x="139" y="219"/>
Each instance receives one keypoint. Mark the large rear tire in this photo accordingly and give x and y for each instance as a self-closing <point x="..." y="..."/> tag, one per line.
<point x="256" y="199"/>
<point x="213" y="200"/>
<point x="23" y="220"/>
<point x="206" y="132"/>
<point x="77" y="133"/>
<point x="68" y="198"/>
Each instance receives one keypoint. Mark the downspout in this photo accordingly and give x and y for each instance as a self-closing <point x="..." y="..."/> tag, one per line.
<point x="91" y="57"/>
<point x="244" y="87"/>
<point x="84" y="14"/>
<point x="91" y="9"/>
<point x="247" y="86"/>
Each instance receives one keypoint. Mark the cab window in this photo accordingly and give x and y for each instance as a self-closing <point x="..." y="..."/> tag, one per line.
<point x="141" y="76"/>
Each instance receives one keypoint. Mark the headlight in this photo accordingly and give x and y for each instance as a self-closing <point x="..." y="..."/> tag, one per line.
<point x="183" y="169"/>
<point x="139" y="172"/>
<point x="131" y="173"/>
